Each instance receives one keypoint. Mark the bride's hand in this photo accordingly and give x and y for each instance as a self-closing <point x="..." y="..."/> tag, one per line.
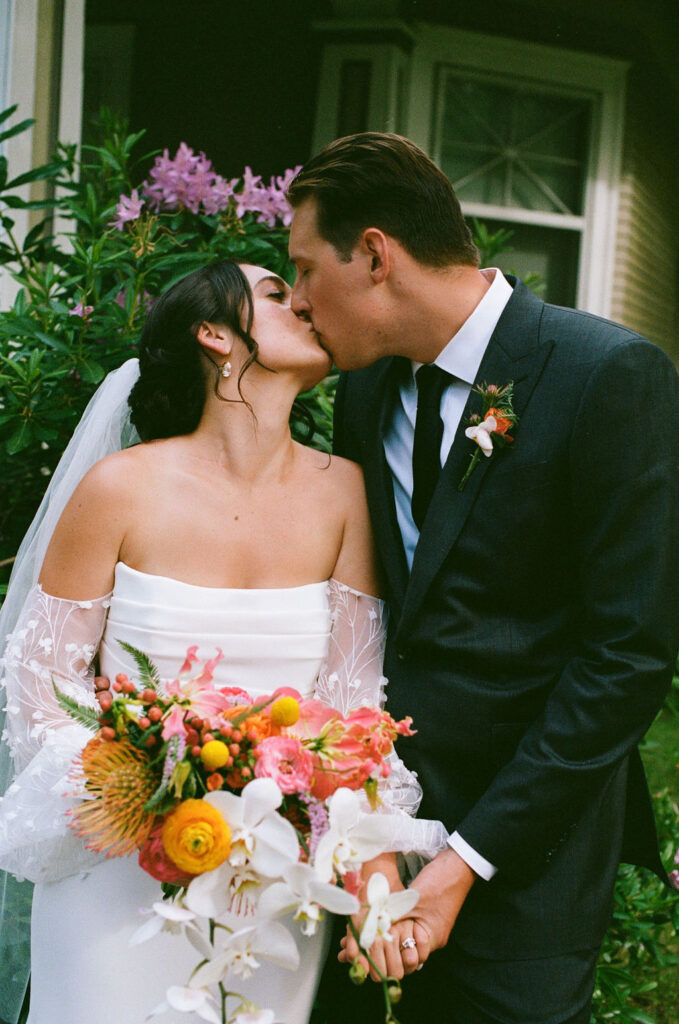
<point x="388" y="956"/>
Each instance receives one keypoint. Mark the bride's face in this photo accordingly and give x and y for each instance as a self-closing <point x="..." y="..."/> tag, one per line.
<point x="286" y="343"/>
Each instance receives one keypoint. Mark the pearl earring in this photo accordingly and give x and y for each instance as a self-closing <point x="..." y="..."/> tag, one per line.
<point x="226" y="370"/>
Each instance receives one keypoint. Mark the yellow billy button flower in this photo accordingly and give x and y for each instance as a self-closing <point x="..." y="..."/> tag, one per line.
<point x="196" y="837"/>
<point x="214" y="754"/>
<point x="284" y="711"/>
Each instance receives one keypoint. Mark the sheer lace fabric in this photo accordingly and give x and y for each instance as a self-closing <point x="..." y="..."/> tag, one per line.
<point x="54" y="644"/>
<point x="351" y="677"/>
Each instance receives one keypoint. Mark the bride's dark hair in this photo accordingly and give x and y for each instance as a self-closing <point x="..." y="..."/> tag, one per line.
<point x="169" y="396"/>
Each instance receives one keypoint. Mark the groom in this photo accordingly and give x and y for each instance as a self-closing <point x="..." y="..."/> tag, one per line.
<point x="534" y="599"/>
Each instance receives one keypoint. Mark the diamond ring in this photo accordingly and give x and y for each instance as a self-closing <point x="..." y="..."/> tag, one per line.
<point x="408" y="943"/>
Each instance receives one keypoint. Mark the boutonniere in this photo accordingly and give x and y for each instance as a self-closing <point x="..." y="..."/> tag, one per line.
<point x="490" y="429"/>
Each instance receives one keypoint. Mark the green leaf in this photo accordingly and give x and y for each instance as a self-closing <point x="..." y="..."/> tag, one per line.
<point x="148" y="673"/>
<point x="6" y="114"/>
<point x="90" y="371"/>
<point x="20" y="439"/>
<point x="37" y="174"/>
<point x="17" y="129"/>
<point x="80" y="712"/>
<point x="161" y="800"/>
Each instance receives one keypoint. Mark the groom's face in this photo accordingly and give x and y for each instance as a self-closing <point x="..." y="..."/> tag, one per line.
<point x="334" y="295"/>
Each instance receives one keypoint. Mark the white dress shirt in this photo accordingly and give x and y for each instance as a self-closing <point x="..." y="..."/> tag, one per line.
<point x="460" y="358"/>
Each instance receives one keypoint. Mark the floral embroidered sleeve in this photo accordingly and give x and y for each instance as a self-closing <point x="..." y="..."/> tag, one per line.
<point x="351" y="677"/>
<point x="54" y="643"/>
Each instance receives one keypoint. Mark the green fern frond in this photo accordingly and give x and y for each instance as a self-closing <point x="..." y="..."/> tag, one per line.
<point x="79" y="712"/>
<point x="148" y="673"/>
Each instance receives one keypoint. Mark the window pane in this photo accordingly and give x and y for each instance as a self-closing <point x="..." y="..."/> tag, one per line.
<point x="550" y="252"/>
<point x="505" y="144"/>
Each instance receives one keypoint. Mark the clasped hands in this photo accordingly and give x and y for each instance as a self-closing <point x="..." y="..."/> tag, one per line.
<point x="443" y="885"/>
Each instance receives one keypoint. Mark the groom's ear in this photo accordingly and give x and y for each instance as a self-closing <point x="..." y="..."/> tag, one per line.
<point x="216" y="337"/>
<point x="375" y="246"/>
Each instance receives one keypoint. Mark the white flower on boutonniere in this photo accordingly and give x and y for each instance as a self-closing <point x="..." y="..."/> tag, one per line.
<point x="490" y="430"/>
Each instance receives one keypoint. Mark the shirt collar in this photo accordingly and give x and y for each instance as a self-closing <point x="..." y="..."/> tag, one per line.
<point x="462" y="356"/>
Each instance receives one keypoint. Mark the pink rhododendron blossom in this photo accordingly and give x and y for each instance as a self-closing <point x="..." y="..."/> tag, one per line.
<point x="80" y="310"/>
<point x="285" y="760"/>
<point x="128" y="209"/>
<point x="188" y="181"/>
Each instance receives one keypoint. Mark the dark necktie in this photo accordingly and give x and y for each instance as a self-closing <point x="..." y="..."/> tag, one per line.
<point x="431" y="380"/>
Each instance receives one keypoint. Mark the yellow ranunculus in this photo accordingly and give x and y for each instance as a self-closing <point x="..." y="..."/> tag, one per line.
<point x="214" y="754"/>
<point x="196" y="837"/>
<point x="284" y="711"/>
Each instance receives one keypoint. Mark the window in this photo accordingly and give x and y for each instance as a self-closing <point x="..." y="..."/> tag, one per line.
<point x="530" y="136"/>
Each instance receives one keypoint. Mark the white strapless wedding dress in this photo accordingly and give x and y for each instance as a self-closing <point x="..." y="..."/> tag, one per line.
<point x="83" y="969"/>
<point x="323" y="639"/>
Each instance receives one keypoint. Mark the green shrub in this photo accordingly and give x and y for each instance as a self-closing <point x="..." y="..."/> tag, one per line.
<point x="82" y="298"/>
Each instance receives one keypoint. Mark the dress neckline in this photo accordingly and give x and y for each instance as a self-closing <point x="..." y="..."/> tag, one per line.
<point x="123" y="566"/>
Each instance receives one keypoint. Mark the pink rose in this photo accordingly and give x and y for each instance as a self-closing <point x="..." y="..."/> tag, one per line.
<point x="285" y="760"/>
<point x="156" y="863"/>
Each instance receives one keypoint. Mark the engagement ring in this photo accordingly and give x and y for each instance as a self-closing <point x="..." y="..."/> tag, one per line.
<point x="408" y="944"/>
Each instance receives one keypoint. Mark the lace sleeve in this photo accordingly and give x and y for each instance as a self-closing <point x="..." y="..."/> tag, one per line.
<point x="54" y="642"/>
<point x="350" y="677"/>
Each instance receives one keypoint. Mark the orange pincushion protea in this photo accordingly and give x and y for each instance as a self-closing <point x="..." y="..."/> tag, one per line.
<point x="119" y="781"/>
<point x="196" y="837"/>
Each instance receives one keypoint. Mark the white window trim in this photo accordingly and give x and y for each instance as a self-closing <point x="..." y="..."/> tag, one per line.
<point x="603" y="76"/>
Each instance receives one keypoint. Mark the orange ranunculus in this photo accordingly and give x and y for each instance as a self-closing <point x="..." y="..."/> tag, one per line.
<point x="196" y="837"/>
<point x="258" y="722"/>
<point x="503" y="423"/>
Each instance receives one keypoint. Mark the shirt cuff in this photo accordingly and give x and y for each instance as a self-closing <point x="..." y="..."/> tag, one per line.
<point x="474" y="860"/>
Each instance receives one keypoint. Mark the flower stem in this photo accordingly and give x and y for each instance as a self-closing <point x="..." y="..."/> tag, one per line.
<point x="472" y="465"/>
<point x="389" y="1016"/>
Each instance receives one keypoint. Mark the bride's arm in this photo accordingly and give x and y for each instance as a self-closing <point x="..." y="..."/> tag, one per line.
<point x="54" y="644"/>
<point x="88" y="538"/>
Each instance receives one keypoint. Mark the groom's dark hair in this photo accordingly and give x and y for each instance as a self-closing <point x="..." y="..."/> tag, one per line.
<point x="385" y="181"/>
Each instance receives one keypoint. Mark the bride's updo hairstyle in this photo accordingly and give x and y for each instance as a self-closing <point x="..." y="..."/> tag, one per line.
<point x="169" y="396"/>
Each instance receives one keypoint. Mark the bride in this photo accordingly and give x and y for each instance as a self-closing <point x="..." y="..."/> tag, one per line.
<point x="217" y="530"/>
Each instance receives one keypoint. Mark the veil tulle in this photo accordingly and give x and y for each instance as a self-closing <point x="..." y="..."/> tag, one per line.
<point x="103" y="429"/>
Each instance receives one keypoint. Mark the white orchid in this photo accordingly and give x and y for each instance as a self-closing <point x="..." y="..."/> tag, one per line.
<point x="353" y="837"/>
<point x="238" y="952"/>
<point x="189" y="1000"/>
<point x="385" y="907"/>
<point x="260" y="837"/>
<point x="481" y="434"/>
<point x="263" y="843"/>
<point x="255" y="1016"/>
<point x="174" y="918"/>
<point x="304" y="894"/>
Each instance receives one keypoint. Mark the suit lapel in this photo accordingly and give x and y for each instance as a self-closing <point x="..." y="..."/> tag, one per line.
<point x="516" y="354"/>
<point x="378" y="399"/>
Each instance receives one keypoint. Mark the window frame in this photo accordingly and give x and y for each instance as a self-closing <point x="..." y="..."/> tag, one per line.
<point x="568" y="71"/>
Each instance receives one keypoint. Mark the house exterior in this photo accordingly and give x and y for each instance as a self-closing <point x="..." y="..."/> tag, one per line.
<point x="556" y="120"/>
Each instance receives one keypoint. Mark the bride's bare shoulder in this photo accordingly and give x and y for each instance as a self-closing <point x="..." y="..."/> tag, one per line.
<point x="347" y="477"/>
<point x="125" y="469"/>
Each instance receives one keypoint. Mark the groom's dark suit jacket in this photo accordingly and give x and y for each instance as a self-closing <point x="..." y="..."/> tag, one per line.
<point x="536" y="636"/>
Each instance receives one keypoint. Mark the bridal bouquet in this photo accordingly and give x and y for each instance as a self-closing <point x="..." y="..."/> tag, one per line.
<point x="261" y="808"/>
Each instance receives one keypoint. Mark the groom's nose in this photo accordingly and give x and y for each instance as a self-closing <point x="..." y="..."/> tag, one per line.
<point x="298" y="302"/>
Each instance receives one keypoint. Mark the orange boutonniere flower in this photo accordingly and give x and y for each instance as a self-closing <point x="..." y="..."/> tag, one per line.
<point x="490" y="430"/>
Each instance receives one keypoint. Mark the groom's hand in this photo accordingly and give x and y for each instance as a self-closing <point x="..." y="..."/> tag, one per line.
<point x="443" y="885"/>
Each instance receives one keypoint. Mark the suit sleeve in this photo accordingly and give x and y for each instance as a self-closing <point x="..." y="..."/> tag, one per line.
<point x="624" y="504"/>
